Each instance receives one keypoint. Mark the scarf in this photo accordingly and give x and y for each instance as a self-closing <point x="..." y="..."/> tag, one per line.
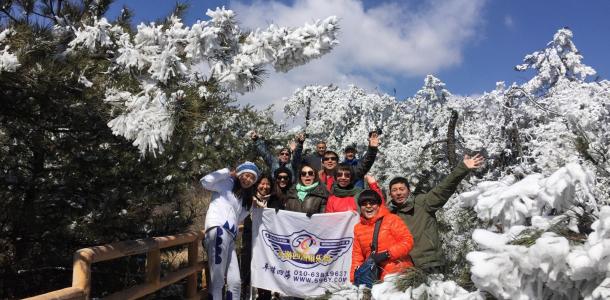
<point x="302" y="190"/>
<point x="260" y="200"/>
<point x="348" y="191"/>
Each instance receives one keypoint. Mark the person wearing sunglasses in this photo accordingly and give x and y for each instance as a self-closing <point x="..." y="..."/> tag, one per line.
<point x="330" y="163"/>
<point x="232" y="193"/>
<point x="308" y="195"/>
<point x="343" y="191"/>
<point x="282" y="182"/>
<point x="284" y="158"/>
<point x="394" y="240"/>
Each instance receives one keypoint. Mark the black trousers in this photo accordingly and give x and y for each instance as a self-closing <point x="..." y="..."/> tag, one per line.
<point x="246" y="261"/>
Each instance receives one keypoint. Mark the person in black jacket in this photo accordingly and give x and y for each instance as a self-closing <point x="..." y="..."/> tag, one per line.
<point x="282" y="182"/>
<point x="308" y="195"/>
<point x="289" y="157"/>
<point x="315" y="159"/>
<point x="261" y="198"/>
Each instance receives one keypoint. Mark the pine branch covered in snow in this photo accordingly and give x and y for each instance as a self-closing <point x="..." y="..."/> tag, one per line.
<point x="508" y="202"/>
<point x="551" y="268"/>
<point x="169" y="55"/>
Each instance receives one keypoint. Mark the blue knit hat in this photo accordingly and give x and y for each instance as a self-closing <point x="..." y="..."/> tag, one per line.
<point x="248" y="167"/>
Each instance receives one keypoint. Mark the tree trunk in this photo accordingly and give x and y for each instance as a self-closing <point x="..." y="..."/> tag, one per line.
<point x="451" y="155"/>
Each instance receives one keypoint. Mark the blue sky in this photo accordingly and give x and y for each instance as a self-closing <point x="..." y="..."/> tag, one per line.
<point x="469" y="44"/>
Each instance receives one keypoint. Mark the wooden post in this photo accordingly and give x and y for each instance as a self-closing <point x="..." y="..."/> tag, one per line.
<point x="191" y="280"/>
<point x="81" y="271"/>
<point x="153" y="266"/>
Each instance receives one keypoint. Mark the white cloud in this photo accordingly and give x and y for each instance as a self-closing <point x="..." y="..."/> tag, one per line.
<point x="377" y="44"/>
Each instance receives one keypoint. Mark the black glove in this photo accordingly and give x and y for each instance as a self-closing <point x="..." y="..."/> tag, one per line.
<point x="309" y="214"/>
<point x="381" y="257"/>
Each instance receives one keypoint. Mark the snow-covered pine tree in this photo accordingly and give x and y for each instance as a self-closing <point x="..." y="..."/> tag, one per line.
<point x="84" y="98"/>
<point x="560" y="60"/>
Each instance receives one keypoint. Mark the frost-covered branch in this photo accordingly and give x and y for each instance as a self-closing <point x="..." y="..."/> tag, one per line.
<point x="216" y="50"/>
<point x="510" y="202"/>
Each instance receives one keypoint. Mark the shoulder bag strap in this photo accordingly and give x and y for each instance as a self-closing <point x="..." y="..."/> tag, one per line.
<point x="375" y="235"/>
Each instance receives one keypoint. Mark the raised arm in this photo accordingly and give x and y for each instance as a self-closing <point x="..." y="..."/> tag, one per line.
<point x="297" y="154"/>
<point x="365" y="164"/>
<point x="218" y="181"/>
<point x="262" y="150"/>
<point x="438" y="196"/>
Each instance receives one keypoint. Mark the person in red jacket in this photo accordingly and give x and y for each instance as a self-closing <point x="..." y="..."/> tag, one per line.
<point x="331" y="159"/>
<point x="394" y="241"/>
<point x="343" y="192"/>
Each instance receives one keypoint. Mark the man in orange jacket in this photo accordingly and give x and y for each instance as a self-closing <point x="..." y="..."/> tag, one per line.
<point x="394" y="241"/>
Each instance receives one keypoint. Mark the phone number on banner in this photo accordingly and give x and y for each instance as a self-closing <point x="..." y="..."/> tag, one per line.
<point x="319" y="277"/>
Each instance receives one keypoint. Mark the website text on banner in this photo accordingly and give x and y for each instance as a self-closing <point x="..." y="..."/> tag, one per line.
<point x="300" y="256"/>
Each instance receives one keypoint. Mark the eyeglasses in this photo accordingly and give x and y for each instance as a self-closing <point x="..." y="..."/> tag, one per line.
<point x="282" y="177"/>
<point x="307" y="173"/>
<point x="344" y="174"/>
<point x="333" y="158"/>
<point x="284" y="154"/>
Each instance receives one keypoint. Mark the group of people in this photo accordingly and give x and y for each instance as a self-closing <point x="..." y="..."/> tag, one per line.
<point x="317" y="183"/>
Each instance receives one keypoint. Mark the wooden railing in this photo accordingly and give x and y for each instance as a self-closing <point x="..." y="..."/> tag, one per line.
<point x="84" y="258"/>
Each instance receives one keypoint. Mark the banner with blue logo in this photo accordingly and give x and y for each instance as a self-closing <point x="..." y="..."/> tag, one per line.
<point x="300" y="256"/>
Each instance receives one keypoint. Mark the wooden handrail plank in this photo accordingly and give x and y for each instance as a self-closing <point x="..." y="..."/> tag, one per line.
<point x="144" y="289"/>
<point x="122" y="249"/>
<point x="70" y="293"/>
<point x="140" y="246"/>
<point x="178" y="239"/>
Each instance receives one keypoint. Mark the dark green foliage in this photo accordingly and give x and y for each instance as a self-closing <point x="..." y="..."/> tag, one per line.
<point x="411" y="277"/>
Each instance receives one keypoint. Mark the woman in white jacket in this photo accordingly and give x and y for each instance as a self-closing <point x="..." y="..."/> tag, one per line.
<point x="231" y="202"/>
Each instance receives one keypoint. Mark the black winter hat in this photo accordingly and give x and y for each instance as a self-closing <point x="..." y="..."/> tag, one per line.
<point x="282" y="169"/>
<point x="368" y="196"/>
<point x="350" y="148"/>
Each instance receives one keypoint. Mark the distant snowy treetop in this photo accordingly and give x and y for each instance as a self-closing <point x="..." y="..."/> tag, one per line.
<point x="216" y="50"/>
<point x="433" y="90"/>
<point x="559" y="60"/>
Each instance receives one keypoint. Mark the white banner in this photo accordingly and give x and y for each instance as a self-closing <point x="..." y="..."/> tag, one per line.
<point x="298" y="256"/>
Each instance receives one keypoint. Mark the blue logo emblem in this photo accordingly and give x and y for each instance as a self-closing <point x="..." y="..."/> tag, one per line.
<point x="305" y="250"/>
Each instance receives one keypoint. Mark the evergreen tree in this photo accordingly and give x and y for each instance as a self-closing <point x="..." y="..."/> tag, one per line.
<point x="560" y="60"/>
<point x="103" y="130"/>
